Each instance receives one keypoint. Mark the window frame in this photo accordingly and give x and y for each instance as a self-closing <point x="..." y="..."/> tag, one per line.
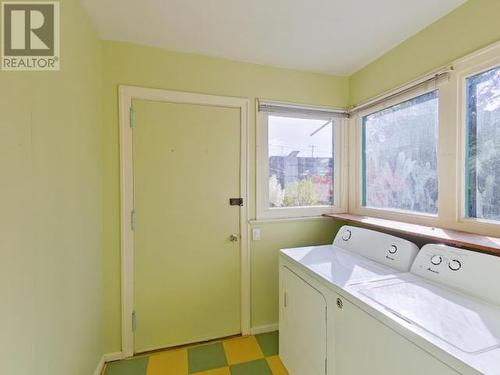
<point x="466" y="68"/>
<point x="451" y="150"/>
<point x="339" y="204"/>
<point x="356" y="145"/>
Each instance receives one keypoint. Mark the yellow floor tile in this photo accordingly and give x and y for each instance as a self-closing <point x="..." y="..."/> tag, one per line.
<point x="242" y="349"/>
<point x="217" y="371"/>
<point x="276" y="366"/>
<point x="174" y="362"/>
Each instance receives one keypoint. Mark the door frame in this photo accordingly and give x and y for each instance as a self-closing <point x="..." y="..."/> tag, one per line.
<point x="126" y="95"/>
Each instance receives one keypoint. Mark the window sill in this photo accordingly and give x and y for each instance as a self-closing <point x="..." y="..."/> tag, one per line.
<point x="470" y="241"/>
<point x="295" y="212"/>
<point x="286" y="219"/>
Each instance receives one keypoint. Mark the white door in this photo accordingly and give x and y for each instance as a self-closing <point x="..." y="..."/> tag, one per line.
<point x="303" y="329"/>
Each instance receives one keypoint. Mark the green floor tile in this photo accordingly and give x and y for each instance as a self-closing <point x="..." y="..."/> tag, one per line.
<point x="268" y="343"/>
<point x="206" y="357"/>
<point x="135" y="366"/>
<point x="258" y="367"/>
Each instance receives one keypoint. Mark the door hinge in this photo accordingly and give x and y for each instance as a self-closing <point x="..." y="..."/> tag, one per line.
<point x="132" y="118"/>
<point x="134" y="321"/>
<point x="132" y="219"/>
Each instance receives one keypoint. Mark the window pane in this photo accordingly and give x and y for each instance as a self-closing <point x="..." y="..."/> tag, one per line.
<point x="483" y="146"/>
<point x="400" y="156"/>
<point x="300" y="162"/>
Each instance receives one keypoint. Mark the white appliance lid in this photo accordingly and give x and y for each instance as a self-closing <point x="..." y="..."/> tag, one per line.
<point x="468" y="324"/>
<point x="339" y="266"/>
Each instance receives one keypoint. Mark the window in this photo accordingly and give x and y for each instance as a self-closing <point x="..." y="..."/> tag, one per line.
<point x="399" y="156"/>
<point x="297" y="162"/>
<point x="394" y="140"/>
<point x="482" y="143"/>
<point x="300" y="162"/>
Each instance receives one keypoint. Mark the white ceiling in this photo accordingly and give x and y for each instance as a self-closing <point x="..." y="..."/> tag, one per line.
<point x="328" y="36"/>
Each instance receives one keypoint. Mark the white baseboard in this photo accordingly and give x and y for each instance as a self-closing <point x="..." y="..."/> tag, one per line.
<point x="264" y="329"/>
<point x="109" y="357"/>
<point x="99" y="367"/>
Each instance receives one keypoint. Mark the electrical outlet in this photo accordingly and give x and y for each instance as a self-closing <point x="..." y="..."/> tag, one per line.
<point x="256" y="234"/>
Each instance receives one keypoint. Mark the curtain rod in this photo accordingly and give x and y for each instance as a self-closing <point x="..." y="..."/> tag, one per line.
<point x="283" y="107"/>
<point x="306" y="110"/>
<point x="436" y="77"/>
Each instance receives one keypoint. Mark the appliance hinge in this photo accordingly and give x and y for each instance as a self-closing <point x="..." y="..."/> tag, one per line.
<point x="132" y="219"/>
<point x="132" y="118"/>
<point x="134" y="321"/>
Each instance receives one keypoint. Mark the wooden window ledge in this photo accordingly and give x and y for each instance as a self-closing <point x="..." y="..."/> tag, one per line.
<point x="475" y="242"/>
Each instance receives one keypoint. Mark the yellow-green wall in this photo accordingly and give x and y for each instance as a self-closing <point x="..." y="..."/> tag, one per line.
<point x="50" y="192"/>
<point x="131" y="64"/>
<point x="60" y="244"/>
<point x="468" y="28"/>
<point x="264" y="272"/>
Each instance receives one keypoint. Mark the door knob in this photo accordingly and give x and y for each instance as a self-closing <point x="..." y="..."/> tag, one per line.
<point x="233" y="237"/>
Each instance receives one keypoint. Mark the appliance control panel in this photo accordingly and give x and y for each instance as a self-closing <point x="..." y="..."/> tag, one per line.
<point x="472" y="272"/>
<point x="383" y="248"/>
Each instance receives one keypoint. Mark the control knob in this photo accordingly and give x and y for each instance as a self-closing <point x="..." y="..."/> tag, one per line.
<point x="346" y="235"/>
<point x="455" y="265"/>
<point x="436" y="260"/>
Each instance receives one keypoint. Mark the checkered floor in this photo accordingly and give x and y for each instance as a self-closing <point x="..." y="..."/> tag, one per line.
<point x="249" y="355"/>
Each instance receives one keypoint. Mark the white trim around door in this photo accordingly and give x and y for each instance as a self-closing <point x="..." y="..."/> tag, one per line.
<point x="126" y="95"/>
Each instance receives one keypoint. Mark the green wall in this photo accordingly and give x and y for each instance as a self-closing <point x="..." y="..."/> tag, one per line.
<point x="469" y="27"/>
<point x="131" y="64"/>
<point x="50" y="192"/>
<point x="264" y="273"/>
<point x="60" y="175"/>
